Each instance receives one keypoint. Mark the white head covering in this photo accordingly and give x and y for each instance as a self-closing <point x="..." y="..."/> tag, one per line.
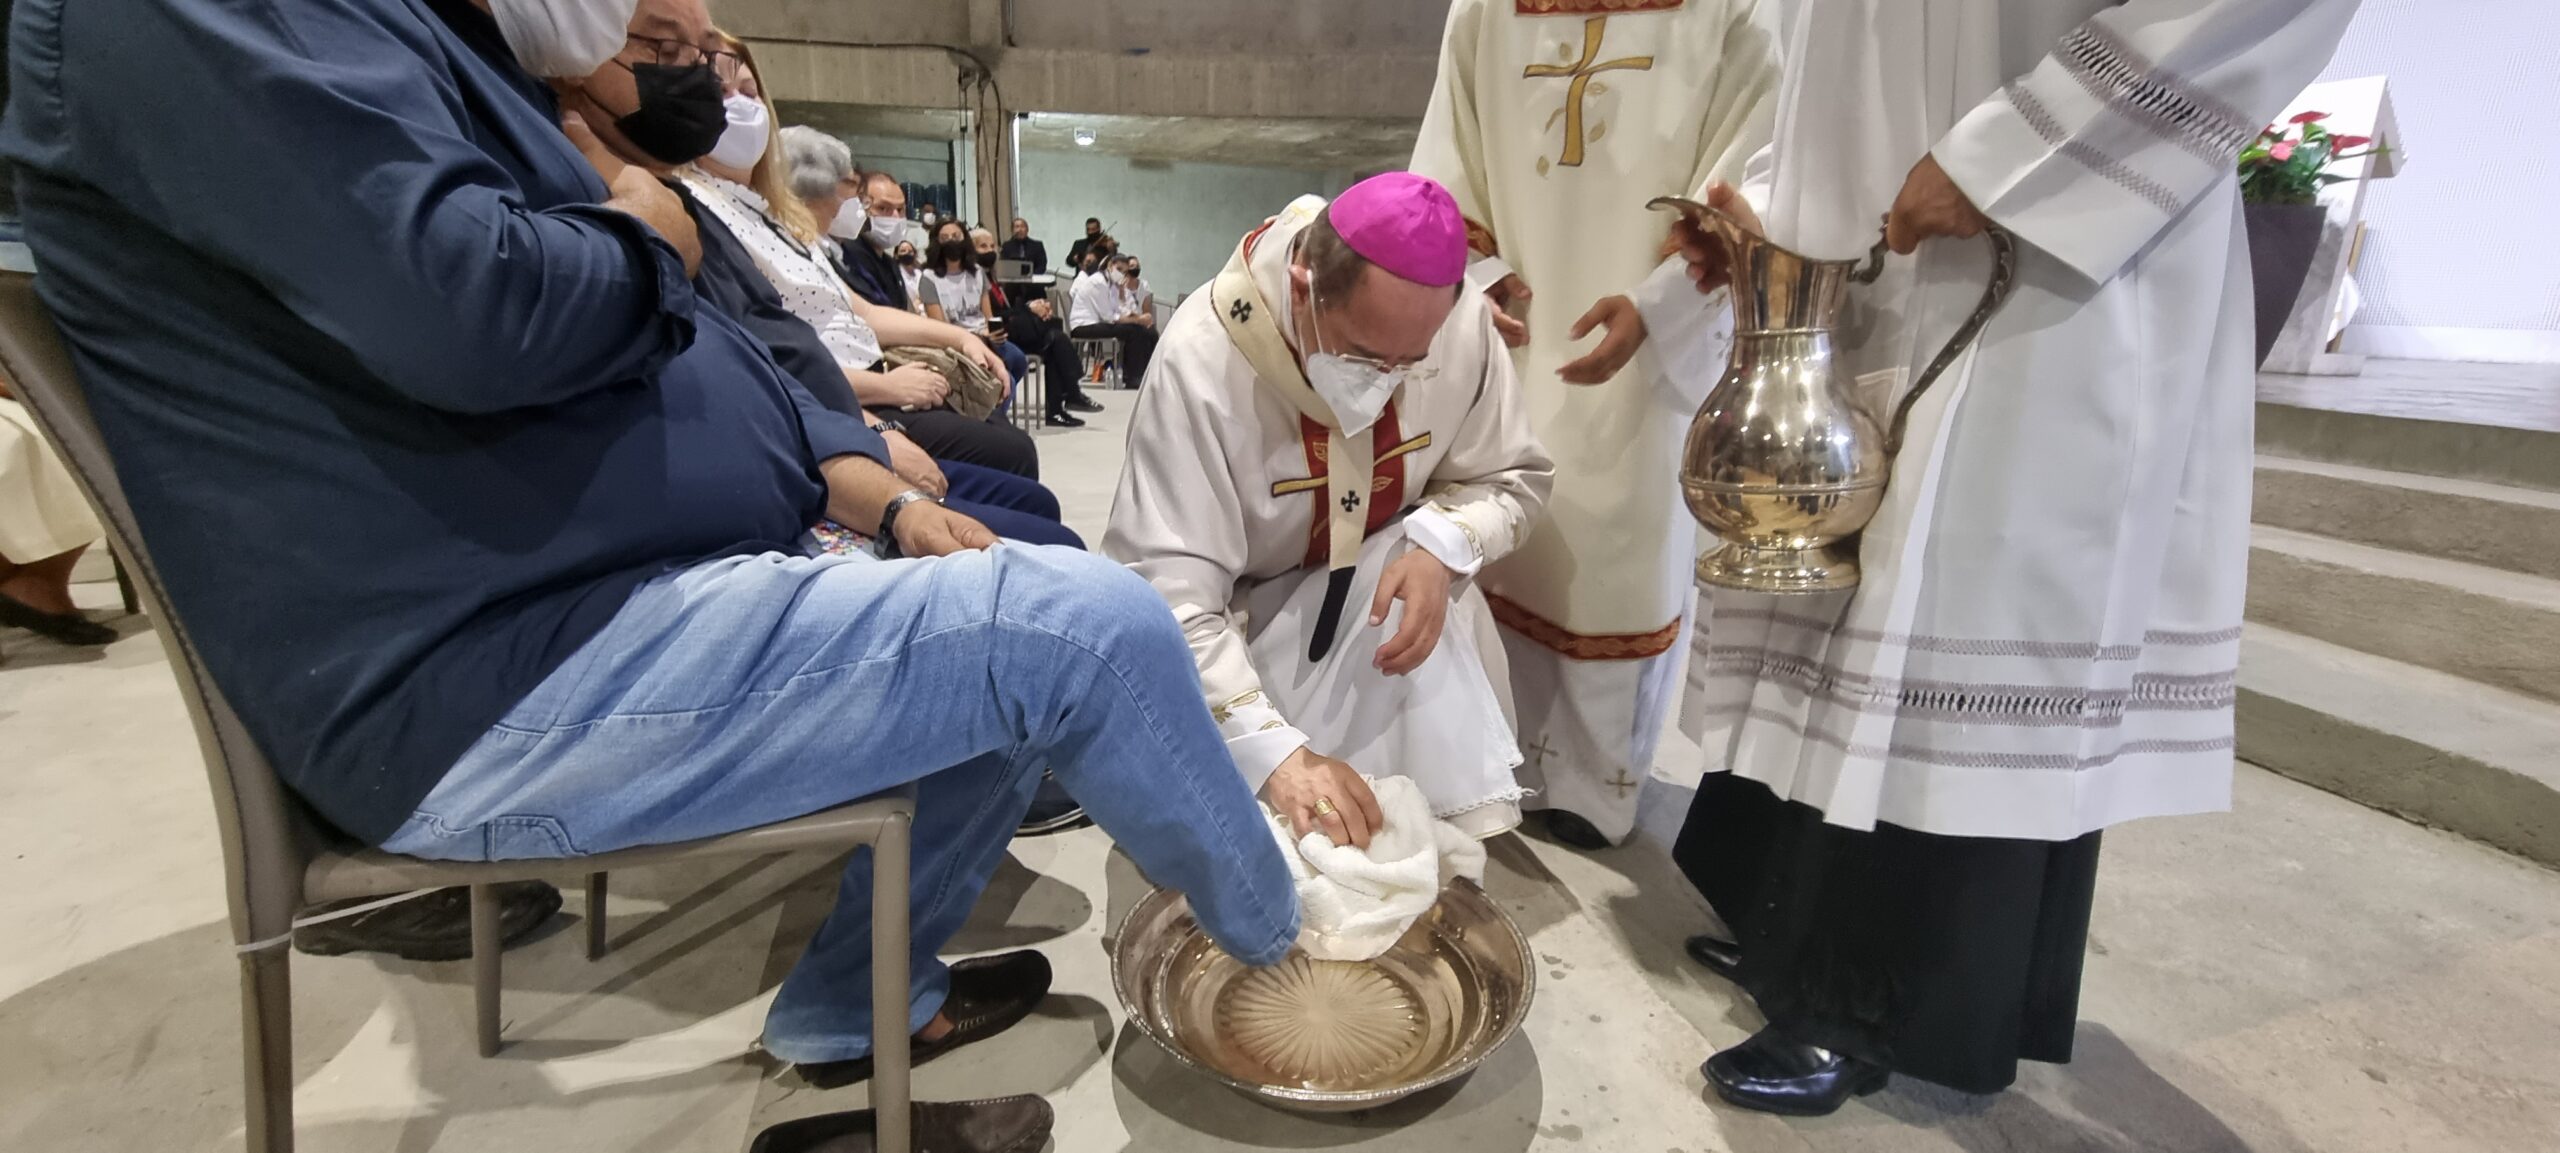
<point x="563" y="37"/>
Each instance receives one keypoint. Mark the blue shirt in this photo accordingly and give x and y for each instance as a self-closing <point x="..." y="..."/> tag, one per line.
<point x="404" y="413"/>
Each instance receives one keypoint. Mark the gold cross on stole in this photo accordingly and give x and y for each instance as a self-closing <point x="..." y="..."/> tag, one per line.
<point x="1582" y="71"/>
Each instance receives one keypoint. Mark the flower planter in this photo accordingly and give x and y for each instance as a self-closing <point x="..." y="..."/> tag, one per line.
<point x="2283" y="239"/>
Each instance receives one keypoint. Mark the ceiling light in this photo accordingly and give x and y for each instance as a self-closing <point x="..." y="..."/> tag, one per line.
<point x="1084" y="138"/>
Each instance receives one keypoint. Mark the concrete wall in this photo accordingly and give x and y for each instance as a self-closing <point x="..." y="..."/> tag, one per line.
<point x="1182" y="220"/>
<point x="2462" y="256"/>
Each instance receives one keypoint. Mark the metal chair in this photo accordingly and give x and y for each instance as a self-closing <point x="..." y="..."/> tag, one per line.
<point x="279" y="860"/>
<point x="1103" y="354"/>
<point x="1031" y="397"/>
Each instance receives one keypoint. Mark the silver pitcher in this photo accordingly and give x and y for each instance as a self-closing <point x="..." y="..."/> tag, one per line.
<point x="1785" y="463"/>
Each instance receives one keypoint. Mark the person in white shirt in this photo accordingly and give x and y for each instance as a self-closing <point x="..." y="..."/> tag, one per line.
<point x="1102" y="309"/>
<point x="1335" y="431"/>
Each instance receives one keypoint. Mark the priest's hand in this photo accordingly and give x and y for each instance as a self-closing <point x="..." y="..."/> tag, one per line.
<point x="1929" y="207"/>
<point x="1506" y="292"/>
<point x="1318" y="792"/>
<point x="1419" y="580"/>
<point x="637" y="193"/>
<point x="1708" y="261"/>
<point x="1625" y="323"/>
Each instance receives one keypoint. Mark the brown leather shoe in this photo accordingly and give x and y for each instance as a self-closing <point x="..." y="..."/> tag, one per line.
<point x="988" y="996"/>
<point x="996" y="1125"/>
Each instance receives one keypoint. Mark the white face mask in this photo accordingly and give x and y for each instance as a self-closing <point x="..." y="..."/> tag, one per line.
<point x="929" y="218"/>
<point x="1356" y="392"/>
<point x="742" y="142"/>
<point x="888" y="230"/>
<point x="563" y="38"/>
<point x="849" y="221"/>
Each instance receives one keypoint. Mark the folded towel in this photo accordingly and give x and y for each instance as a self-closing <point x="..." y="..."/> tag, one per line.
<point x="1355" y="903"/>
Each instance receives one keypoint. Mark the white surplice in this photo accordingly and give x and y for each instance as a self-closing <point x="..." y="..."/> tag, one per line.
<point x="1218" y="509"/>
<point x="2045" y="641"/>
<point x="1553" y="122"/>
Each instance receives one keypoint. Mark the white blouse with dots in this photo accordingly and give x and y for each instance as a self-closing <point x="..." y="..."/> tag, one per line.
<point x="809" y="287"/>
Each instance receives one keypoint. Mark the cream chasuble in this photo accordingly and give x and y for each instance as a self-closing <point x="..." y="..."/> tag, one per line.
<point x="1552" y="123"/>
<point x="1245" y="505"/>
<point x="2045" y="640"/>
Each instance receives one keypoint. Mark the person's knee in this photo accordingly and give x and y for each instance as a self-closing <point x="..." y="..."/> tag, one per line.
<point x="1094" y="601"/>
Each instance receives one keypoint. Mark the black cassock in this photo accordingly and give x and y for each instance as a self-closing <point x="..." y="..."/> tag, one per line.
<point x="1945" y="958"/>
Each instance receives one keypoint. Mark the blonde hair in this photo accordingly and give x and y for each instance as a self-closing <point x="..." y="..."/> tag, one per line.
<point x="771" y="177"/>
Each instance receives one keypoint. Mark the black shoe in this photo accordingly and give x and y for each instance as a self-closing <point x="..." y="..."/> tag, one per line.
<point x="998" y="1125"/>
<point x="1084" y="404"/>
<point x="1052" y="811"/>
<point x="988" y="996"/>
<point x="1571" y="831"/>
<point x="69" y="628"/>
<point x="1774" y="1075"/>
<point x="1062" y="420"/>
<point x="435" y="927"/>
<point x="1721" y="957"/>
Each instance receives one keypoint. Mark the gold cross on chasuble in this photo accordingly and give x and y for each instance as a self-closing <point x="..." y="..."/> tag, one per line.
<point x="1581" y="71"/>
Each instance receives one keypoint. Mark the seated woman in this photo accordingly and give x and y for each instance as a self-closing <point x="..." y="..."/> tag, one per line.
<point x="911" y="270"/>
<point x="45" y="525"/>
<point x="742" y="183"/>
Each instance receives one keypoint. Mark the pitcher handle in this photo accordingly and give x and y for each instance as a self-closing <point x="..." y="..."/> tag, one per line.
<point x="2004" y="273"/>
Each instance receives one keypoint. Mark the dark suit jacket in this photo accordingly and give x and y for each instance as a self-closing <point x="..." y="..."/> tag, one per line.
<point x="1028" y="249"/>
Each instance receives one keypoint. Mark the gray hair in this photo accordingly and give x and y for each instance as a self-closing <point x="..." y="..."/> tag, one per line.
<point x="816" y="160"/>
<point x="982" y="230"/>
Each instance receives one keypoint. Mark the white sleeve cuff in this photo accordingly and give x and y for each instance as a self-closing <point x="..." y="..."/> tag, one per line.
<point x="1687" y="334"/>
<point x="1448" y="542"/>
<point x="1258" y="754"/>
<point x="1484" y="272"/>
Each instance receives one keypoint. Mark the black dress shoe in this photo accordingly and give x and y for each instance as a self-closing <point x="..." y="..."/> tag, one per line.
<point x="1774" y="1075"/>
<point x="998" y="1125"/>
<point x="1083" y="404"/>
<point x="69" y="628"/>
<point x="1062" y="420"/>
<point x="1721" y="957"/>
<point x="435" y="927"/>
<point x="1052" y="811"/>
<point x="1570" y="830"/>
<point x="988" y="996"/>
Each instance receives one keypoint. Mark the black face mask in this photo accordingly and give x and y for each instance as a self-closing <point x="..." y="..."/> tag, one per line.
<point x="988" y="259"/>
<point x="681" y="114"/>
<point x="907" y="258"/>
<point x="1133" y="272"/>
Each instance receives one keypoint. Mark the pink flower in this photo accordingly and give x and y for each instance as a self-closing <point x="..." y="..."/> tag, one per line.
<point x="2309" y="118"/>
<point x="2281" y="152"/>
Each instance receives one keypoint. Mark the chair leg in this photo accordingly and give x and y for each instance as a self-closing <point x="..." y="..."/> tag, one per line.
<point x="266" y="1049"/>
<point x="487" y="949"/>
<point x="595" y="916"/>
<point x="124" y="585"/>
<point x="889" y="944"/>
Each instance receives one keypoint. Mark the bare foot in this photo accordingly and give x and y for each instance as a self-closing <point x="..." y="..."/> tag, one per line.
<point x="937" y="1029"/>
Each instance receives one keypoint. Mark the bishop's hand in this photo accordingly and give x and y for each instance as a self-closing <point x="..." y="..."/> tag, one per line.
<point x="1505" y="294"/>
<point x="1318" y="792"/>
<point x="1419" y="580"/>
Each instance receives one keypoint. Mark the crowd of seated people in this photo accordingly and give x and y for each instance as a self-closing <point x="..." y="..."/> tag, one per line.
<point x="530" y="436"/>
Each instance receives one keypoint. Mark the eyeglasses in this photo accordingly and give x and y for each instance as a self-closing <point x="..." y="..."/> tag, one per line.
<point x="680" y="54"/>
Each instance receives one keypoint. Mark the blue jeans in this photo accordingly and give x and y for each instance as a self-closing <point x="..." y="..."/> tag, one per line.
<point x="750" y="690"/>
<point x="1010" y="506"/>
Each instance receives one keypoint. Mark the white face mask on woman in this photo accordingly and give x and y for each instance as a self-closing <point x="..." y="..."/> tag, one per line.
<point x="563" y="38"/>
<point x="742" y="142"/>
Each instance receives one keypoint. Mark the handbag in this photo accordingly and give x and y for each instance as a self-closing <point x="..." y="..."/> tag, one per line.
<point x="975" y="392"/>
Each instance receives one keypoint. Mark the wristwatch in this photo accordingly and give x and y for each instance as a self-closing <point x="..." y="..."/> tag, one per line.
<point x="886" y="540"/>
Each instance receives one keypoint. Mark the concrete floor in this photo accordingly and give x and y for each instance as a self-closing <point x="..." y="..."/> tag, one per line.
<point x="2306" y="975"/>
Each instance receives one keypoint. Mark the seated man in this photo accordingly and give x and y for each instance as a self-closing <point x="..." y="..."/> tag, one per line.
<point x="1331" y="431"/>
<point x="1021" y="246"/>
<point x="1103" y="307"/>
<point x="486" y="524"/>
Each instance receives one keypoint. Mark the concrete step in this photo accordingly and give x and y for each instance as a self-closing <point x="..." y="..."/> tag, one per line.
<point x="2482" y="624"/>
<point x="2513" y="456"/>
<point x="2500" y="526"/>
<point x="2431" y="747"/>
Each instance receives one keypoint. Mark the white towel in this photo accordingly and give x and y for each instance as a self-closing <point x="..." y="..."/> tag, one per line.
<point x="1355" y="903"/>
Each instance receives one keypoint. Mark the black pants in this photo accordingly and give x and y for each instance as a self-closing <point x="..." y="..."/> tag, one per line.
<point x="947" y="435"/>
<point x="1945" y="958"/>
<point x="1137" y="346"/>
<point x="1047" y="339"/>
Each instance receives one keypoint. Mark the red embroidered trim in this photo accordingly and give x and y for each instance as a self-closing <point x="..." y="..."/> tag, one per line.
<point x="1584" y="646"/>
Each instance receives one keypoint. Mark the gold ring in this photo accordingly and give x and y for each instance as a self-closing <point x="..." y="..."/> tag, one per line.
<point x="1324" y="806"/>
